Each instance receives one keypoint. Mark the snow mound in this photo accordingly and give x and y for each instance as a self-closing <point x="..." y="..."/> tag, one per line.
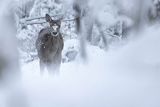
<point x="119" y="78"/>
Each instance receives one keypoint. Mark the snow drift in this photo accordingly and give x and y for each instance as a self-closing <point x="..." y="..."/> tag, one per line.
<point x="125" y="77"/>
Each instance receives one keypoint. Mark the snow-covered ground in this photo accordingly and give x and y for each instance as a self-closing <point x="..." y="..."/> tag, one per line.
<point x="125" y="77"/>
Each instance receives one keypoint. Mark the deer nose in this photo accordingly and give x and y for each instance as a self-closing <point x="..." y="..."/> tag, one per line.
<point x="54" y="33"/>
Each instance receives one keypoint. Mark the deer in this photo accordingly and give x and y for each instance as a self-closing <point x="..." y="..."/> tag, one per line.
<point x="49" y="45"/>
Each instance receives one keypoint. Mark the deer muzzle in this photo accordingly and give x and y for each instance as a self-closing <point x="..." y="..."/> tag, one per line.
<point x="54" y="30"/>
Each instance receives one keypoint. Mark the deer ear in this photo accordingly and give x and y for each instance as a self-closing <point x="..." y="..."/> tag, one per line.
<point x="48" y="18"/>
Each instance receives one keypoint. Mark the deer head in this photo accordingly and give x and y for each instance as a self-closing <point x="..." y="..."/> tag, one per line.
<point x="54" y="25"/>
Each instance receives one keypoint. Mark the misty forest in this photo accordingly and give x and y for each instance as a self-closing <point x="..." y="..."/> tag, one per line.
<point x="79" y="53"/>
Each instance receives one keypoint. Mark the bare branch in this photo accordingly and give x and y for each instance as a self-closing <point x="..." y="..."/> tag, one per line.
<point x="29" y="21"/>
<point x="35" y="18"/>
<point x="33" y="23"/>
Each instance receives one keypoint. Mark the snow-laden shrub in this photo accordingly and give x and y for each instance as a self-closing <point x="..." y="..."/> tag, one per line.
<point x="108" y="17"/>
<point x="27" y="35"/>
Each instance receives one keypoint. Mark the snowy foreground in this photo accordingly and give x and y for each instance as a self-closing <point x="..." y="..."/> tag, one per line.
<point x="124" y="77"/>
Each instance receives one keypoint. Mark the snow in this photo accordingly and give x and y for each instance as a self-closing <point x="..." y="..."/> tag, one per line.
<point x="127" y="77"/>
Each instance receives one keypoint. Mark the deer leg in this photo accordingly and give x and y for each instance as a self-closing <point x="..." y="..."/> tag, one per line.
<point x="53" y="69"/>
<point x="42" y="66"/>
<point x="58" y="63"/>
<point x="57" y="69"/>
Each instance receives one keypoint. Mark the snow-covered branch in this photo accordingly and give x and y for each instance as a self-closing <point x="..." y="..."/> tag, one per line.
<point x="30" y="21"/>
<point x="40" y="17"/>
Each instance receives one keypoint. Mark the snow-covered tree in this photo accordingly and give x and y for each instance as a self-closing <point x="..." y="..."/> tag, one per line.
<point x="103" y="25"/>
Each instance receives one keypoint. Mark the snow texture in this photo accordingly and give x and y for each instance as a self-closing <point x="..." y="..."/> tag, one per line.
<point x="119" y="78"/>
<point x="125" y="75"/>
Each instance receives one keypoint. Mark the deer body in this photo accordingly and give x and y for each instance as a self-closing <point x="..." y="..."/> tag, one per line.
<point x="49" y="46"/>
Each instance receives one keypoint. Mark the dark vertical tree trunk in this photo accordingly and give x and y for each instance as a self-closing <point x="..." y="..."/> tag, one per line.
<point x="85" y="23"/>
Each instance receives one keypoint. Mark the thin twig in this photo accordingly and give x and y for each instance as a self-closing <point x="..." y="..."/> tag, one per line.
<point x="28" y="21"/>
<point x="35" y="18"/>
